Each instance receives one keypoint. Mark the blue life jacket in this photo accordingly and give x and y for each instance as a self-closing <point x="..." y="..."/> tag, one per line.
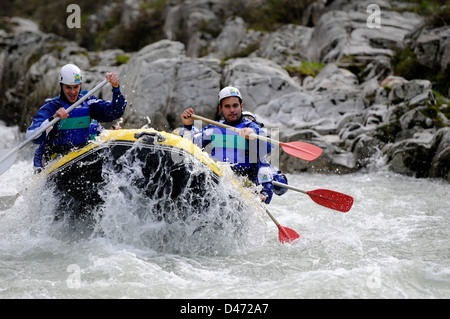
<point x="74" y="130"/>
<point x="227" y="146"/>
<point x="94" y="129"/>
<point x="66" y="133"/>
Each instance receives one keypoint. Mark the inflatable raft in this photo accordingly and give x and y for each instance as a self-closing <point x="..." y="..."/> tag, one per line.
<point x="167" y="175"/>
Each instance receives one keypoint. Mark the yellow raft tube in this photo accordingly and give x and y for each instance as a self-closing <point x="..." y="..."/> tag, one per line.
<point x="144" y="135"/>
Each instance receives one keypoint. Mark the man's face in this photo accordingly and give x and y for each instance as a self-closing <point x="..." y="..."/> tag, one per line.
<point x="71" y="92"/>
<point x="231" y="109"/>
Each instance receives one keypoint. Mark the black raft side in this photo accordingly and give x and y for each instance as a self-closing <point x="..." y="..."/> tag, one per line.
<point x="159" y="171"/>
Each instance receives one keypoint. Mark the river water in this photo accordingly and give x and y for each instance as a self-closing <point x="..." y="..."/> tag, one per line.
<point x="393" y="243"/>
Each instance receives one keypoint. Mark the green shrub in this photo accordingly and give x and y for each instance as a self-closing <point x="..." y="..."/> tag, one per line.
<point x="305" y="69"/>
<point x="387" y="133"/>
<point x="122" y="59"/>
<point x="268" y="15"/>
<point x="405" y="64"/>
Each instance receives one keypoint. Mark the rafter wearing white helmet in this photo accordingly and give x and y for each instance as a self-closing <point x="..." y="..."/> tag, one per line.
<point x="74" y="131"/>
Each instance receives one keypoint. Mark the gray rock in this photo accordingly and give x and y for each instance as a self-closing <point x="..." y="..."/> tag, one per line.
<point x="259" y="80"/>
<point x="290" y="110"/>
<point x="186" y="19"/>
<point x="342" y="32"/>
<point x="432" y="47"/>
<point x="414" y="91"/>
<point x="413" y="118"/>
<point x="333" y="78"/>
<point x="229" y="40"/>
<point x="162" y="82"/>
<point x="440" y="164"/>
<point x="286" y="46"/>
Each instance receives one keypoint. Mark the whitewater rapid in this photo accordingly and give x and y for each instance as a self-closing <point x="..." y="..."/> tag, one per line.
<point x="393" y="243"/>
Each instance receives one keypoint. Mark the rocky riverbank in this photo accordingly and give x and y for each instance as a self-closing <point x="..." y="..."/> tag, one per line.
<point x="330" y="81"/>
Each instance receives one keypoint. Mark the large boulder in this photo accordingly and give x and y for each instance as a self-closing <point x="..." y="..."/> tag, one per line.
<point x="342" y="31"/>
<point x="228" y="42"/>
<point x="288" y="45"/>
<point x="440" y="164"/>
<point x="186" y="22"/>
<point x="432" y="47"/>
<point x="259" y="80"/>
<point x="162" y="82"/>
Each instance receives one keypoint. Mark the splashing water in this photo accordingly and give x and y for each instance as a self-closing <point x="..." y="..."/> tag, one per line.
<point x="150" y="202"/>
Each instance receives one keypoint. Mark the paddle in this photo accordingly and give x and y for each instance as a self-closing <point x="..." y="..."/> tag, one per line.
<point x="9" y="156"/>
<point x="325" y="197"/>
<point x="285" y="234"/>
<point x="301" y="150"/>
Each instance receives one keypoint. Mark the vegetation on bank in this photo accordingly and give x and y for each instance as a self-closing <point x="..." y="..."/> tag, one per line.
<point x="406" y="64"/>
<point x="147" y="27"/>
<point x="305" y="69"/>
<point x="100" y="21"/>
<point x="268" y="15"/>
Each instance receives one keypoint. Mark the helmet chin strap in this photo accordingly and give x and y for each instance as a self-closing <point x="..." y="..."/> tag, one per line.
<point x="63" y="95"/>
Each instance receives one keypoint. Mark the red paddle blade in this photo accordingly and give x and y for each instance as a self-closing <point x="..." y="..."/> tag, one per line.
<point x="331" y="199"/>
<point x="287" y="235"/>
<point x="302" y="150"/>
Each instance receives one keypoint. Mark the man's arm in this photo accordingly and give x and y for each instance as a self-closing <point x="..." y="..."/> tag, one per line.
<point x="108" y="111"/>
<point x="41" y="120"/>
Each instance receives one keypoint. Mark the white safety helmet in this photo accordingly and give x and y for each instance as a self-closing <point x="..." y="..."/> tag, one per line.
<point x="229" y="91"/>
<point x="70" y="74"/>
